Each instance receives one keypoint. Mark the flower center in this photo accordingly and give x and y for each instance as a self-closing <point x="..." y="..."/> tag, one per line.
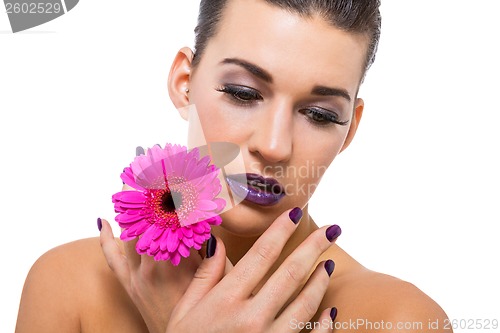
<point x="169" y="199"/>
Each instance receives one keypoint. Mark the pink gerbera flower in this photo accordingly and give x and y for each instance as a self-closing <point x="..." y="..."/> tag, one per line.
<point x="174" y="203"/>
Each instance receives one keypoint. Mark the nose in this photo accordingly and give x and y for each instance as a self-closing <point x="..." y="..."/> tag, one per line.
<point x="272" y="135"/>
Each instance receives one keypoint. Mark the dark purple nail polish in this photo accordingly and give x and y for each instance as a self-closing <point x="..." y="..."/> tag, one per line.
<point x="295" y="215"/>
<point x="329" y="266"/>
<point x="333" y="232"/>
<point x="99" y="223"/>
<point x="139" y="151"/>
<point x="333" y="313"/>
<point x="211" y="245"/>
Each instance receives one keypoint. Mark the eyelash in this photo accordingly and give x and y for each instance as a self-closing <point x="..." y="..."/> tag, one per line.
<point x="235" y="93"/>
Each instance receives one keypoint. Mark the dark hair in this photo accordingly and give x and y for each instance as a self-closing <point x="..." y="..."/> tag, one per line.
<point x="356" y="16"/>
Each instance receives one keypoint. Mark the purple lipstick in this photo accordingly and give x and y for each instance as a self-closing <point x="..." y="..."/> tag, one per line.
<point x="256" y="189"/>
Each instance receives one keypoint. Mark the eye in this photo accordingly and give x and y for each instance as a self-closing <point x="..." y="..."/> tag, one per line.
<point x="241" y="94"/>
<point x="322" y="117"/>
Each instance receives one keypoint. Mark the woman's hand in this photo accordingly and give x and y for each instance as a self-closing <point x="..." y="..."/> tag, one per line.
<point x="154" y="287"/>
<point x="219" y="302"/>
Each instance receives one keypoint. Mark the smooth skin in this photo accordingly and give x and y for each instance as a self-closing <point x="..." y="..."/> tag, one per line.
<point x="267" y="274"/>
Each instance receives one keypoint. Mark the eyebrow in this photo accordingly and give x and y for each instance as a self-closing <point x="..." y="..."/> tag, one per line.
<point x="253" y="69"/>
<point x="327" y="91"/>
<point x="266" y="77"/>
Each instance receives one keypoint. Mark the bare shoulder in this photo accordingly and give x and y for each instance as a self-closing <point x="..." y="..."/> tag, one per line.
<point x="69" y="289"/>
<point x="378" y="302"/>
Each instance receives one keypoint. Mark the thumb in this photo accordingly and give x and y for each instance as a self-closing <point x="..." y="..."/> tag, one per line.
<point x="209" y="273"/>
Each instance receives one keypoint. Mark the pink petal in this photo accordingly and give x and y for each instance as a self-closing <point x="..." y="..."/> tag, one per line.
<point x="152" y="175"/>
<point x="197" y="171"/>
<point x="178" y="164"/>
<point x="145" y="241"/>
<point x="129" y="205"/>
<point x="159" y="232"/>
<point x="162" y="256"/>
<point x="206" y="205"/>
<point x="154" y="247"/>
<point x="125" y="237"/>
<point x="198" y="228"/>
<point x="128" y="218"/>
<point x="193" y="217"/>
<point x="183" y="250"/>
<point x="187" y="232"/>
<point x="128" y="178"/>
<point x="206" y="195"/>
<point x="221" y="204"/>
<point x="190" y="166"/>
<point x="200" y="239"/>
<point x="189" y="242"/>
<point x="172" y="241"/>
<point x="206" y="180"/>
<point x="217" y="220"/>
<point x="164" y="239"/>
<point x="138" y="228"/>
<point x="175" y="258"/>
<point x="129" y="196"/>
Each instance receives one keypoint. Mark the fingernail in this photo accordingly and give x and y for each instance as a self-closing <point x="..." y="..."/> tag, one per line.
<point x="99" y="223"/>
<point x="295" y="215"/>
<point x="329" y="266"/>
<point x="211" y="245"/>
<point x="333" y="313"/>
<point x="333" y="232"/>
<point x="139" y="151"/>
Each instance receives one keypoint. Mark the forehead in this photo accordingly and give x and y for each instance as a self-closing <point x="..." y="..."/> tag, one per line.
<point x="289" y="45"/>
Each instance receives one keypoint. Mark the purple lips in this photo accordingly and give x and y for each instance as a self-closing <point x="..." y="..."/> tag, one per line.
<point x="256" y="189"/>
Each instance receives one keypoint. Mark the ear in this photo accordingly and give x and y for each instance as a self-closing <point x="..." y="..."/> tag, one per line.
<point x="178" y="80"/>
<point x="358" y="112"/>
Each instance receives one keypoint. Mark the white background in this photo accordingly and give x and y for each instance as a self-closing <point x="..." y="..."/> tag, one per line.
<point x="417" y="193"/>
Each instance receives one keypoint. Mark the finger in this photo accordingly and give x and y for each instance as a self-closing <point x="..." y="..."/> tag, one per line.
<point x="114" y="257"/>
<point x="306" y="304"/>
<point x="250" y="270"/>
<point x="229" y="264"/>
<point x="294" y="271"/>
<point x="134" y="259"/>
<point x="210" y="272"/>
<point x="326" y="322"/>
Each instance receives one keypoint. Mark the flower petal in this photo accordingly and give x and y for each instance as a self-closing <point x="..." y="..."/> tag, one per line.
<point x="138" y="229"/>
<point x="128" y="178"/>
<point x="183" y="250"/>
<point x="129" y="196"/>
<point x="221" y="204"/>
<point x="172" y="241"/>
<point x="187" y="232"/>
<point x="189" y="242"/>
<point x="200" y="239"/>
<point x="206" y="205"/>
<point x="128" y="218"/>
<point x="175" y="258"/>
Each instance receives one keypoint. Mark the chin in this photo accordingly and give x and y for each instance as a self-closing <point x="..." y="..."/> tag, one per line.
<point x="248" y="220"/>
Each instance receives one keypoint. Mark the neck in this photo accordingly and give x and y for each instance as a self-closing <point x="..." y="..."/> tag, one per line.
<point x="237" y="246"/>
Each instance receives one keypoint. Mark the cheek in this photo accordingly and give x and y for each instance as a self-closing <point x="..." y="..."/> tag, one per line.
<point x="318" y="145"/>
<point x="220" y="122"/>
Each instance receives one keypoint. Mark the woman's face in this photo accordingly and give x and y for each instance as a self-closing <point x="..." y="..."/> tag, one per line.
<point x="284" y="89"/>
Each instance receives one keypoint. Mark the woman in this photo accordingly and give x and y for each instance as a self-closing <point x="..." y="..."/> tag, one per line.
<point x="258" y="79"/>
